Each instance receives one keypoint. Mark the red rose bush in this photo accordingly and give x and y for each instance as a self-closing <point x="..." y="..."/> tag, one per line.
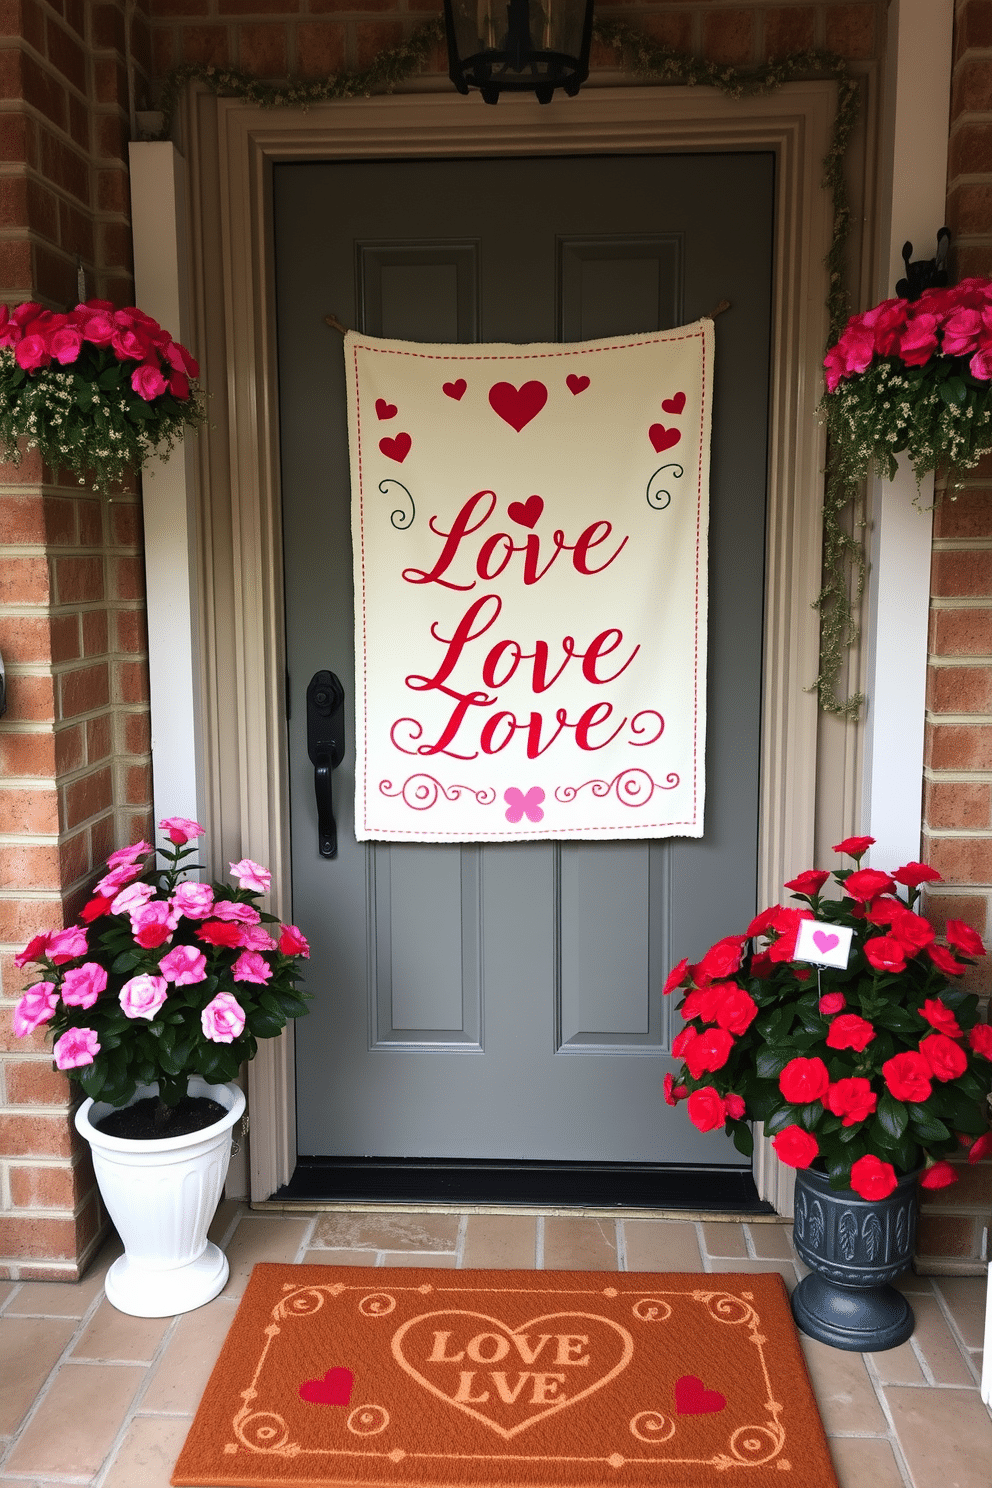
<point x="867" y="1072"/>
<point x="165" y="977"/>
<point x="96" y="389"/>
<point x="913" y="375"/>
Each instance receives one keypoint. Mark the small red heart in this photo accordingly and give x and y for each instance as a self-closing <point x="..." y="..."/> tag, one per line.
<point x="455" y="390"/>
<point x="663" y="438"/>
<point x="673" y="405"/>
<point x="384" y="410"/>
<point x="334" y="1389"/>
<point x="517" y="406"/>
<point x="396" y="449"/>
<point x="527" y="513"/>
<point x="693" y="1399"/>
<point x="575" y="383"/>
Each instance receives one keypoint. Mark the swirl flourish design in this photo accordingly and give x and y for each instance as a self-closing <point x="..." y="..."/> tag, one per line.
<point x="399" y="518"/>
<point x="633" y="787"/>
<point x="421" y="791"/>
<point x="651" y="1310"/>
<point x="368" y="1420"/>
<point x="377" y="1304"/>
<point x="652" y="1426"/>
<point x="657" y="498"/>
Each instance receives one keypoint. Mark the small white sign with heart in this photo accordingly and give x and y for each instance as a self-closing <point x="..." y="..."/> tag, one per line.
<point x="822" y="944"/>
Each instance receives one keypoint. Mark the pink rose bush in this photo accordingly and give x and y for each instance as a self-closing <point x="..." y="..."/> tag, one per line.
<point x="913" y="375"/>
<point x="866" y="1072"/>
<point x="165" y="977"/>
<point x="96" y="389"/>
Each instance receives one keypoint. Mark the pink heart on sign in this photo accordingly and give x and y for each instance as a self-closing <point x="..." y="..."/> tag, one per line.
<point x="455" y="390"/>
<point x="693" y="1399"/>
<point x="396" y="449"/>
<point x="825" y="942"/>
<point x="517" y="406"/>
<point x="663" y="438"/>
<point x="529" y="805"/>
<point x="334" y="1389"/>
<point x="673" y="405"/>
<point x="384" y="410"/>
<point x="527" y="513"/>
<point x="575" y="383"/>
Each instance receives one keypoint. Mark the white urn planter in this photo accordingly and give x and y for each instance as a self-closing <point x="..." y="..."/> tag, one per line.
<point x="161" y="1195"/>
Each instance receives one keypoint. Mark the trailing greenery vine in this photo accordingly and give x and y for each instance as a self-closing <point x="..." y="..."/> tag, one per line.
<point x="843" y="549"/>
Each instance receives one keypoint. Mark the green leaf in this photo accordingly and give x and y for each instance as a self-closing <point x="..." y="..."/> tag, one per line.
<point x="771" y="1062"/>
<point x="899" y="1019"/>
<point x="779" y="1120"/>
<point x="892" y="1115"/>
<point x="126" y="962"/>
<point x="927" y="1128"/>
<point x="743" y="1138"/>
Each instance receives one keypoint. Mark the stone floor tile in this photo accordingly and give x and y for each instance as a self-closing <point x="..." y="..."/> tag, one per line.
<point x="148" y="1453"/>
<point x="75" y="1425"/>
<point x="965" y="1299"/>
<point x="945" y="1436"/>
<point x="662" y="1245"/>
<point x="580" y="1244"/>
<point x="67" y="1298"/>
<point x="265" y="1238"/>
<point x="935" y="1341"/>
<point x="7" y="1289"/>
<point x="506" y="1242"/>
<point x="864" y="1462"/>
<point x="752" y="1268"/>
<point x="338" y="1258"/>
<point x="184" y="1368"/>
<point x="898" y="1366"/>
<point x="110" y="1334"/>
<point x="421" y="1231"/>
<point x="30" y="1348"/>
<point x="910" y="1282"/>
<point x="445" y="1261"/>
<point x="772" y="1242"/>
<point x="723" y="1239"/>
<point x="844" y="1392"/>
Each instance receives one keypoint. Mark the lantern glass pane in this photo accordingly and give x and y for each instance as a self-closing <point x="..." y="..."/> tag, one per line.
<point x="486" y="25"/>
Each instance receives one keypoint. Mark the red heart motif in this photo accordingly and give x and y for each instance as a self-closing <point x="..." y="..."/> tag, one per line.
<point x="673" y="405"/>
<point x="527" y="513"/>
<point x="693" y="1399"/>
<point x="575" y="383"/>
<point x="455" y="390"/>
<point x="334" y="1389"/>
<point x="517" y="406"/>
<point x="396" y="449"/>
<point x="384" y="410"/>
<point x="663" y="438"/>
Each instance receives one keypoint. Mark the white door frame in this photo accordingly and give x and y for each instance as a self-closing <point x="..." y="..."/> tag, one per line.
<point x="230" y="148"/>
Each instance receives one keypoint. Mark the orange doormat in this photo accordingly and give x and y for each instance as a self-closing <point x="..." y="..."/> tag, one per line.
<point x="470" y="1379"/>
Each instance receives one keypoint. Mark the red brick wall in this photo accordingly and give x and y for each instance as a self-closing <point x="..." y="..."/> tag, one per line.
<point x="74" y="744"/>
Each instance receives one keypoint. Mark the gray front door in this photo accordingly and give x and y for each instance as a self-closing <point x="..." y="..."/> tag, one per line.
<point x="504" y="1002"/>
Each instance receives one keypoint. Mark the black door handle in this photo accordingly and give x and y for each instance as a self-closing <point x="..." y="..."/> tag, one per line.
<point x="325" y="746"/>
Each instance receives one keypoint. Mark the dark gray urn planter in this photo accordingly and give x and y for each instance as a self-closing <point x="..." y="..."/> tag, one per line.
<point x="854" y="1247"/>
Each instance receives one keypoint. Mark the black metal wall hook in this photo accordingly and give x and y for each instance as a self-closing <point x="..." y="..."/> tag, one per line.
<point x="925" y="273"/>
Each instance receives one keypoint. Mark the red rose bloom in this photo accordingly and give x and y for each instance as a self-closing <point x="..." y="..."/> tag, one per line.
<point x="944" y="961"/>
<point x="220" y="932"/>
<point x="980" y="1148"/>
<point x="980" y="1039"/>
<point x="796" y="1147"/>
<point x="703" y="1002"/>
<point x="946" y="1058"/>
<point x="913" y="874"/>
<point x="867" y="884"/>
<point x="871" y="1178"/>
<point x="832" y="1002"/>
<point x="705" y="1109"/>
<point x="940" y="1017"/>
<point x="676" y="976"/>
<point x="852" y="1099"/>
<point x="964" y="939"/>
<point x="938" y="1175"/>
<point x="708" y="1052"/>
<point x="723" y="958"/>
<point x="911" y="930"/>
<point x="885" y="953"/>
<point x="803" y="1081"/>
<point x="850" y="1032"/>
<point x="736" y="1010"/>
<point x="761" y="965"/>
<point x="908" y="1077"/>
<point x="765" y="920"/>
<point x="855" y="847"/>
<point x="97" y="906"/>
<point x="673" y="1093"/>
<point x="809" y="883"/>
<point x="734" y="1105"/>
<point x="787" y="922"/>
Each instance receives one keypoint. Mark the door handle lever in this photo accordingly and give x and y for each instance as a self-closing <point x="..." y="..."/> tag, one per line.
<point x="325" y="746"/>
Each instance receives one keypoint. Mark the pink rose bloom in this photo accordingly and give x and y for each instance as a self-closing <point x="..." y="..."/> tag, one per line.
<point x="184" y="965"/>
<point x="131" y="345"/>
<point x="255" y="938"/>
<point x="114" y="881"/>
<point x="128" y="854"/>
<point x="82" y="986"/>
<point x="76" y="1047"/>
<point x="36" y="947"/>
<point x="980" y="365"/>
<point x="142" y="996"/>
<point x="194" y="900"/>
<point x="67" y="343"/>
<point x="252" y="876"/>
<point x="99" y="329"/>
<point x="871" y="1178"/>
<point x="961" y="332"/>
<point x="251" y="967"/>
<point x="131" y="899"/>
<point x="35" y="1007"/>
<point x="223" y="1020"/>
<point x="918" y="341"/>
<point x="230" y="909"/>
<point x="66" y="945"/>
<point x="886" y="322"/>
<point x="153" y="924"/>
<point x="181" y="829"/>
<point x="32" y="353"/>
<point x="293" y="942"/>
<point x="148" y="382"/>
<point x="178" y="357"/>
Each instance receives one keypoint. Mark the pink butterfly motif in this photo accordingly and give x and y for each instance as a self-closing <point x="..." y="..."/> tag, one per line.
<point x="528" y="805"/>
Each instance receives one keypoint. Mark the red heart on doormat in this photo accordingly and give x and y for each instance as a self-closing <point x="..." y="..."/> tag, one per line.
<point x="575" y="383"/>
<point x="396" y="449"/>
<point x="693" y="1399"/>
<point x="663" y="438"/>
<point x="384" y="410"/>
<point x="527" y="513"/>
<point x="455" y="390"/>
<point x="334" y="1389"/>
<point x="673" y="405"/>
<point x="517" y="406"/>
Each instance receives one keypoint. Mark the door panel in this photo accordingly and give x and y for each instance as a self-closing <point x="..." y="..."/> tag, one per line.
<point x="504" y="1001"/>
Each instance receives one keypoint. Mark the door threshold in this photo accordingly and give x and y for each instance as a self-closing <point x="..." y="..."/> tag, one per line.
<point x="539" y="1187"/>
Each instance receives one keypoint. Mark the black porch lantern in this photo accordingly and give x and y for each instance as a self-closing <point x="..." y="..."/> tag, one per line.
<point x="518" y="46"/>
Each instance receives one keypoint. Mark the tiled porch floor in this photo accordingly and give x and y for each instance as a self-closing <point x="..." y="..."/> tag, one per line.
<point x="92" y="1397"/>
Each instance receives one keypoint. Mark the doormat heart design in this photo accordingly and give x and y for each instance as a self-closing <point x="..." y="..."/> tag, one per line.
<point x="347" y="1375"/>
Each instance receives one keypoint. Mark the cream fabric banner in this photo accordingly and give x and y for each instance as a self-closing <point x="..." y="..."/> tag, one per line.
<point x="529" y="530"/>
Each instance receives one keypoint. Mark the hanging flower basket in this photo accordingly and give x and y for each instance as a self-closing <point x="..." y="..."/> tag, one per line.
<point x="913" y="376"/>
<point x="96" y="390"/>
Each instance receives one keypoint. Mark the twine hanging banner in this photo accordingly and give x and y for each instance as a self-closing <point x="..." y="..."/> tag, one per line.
<point x="529" y="529"/>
